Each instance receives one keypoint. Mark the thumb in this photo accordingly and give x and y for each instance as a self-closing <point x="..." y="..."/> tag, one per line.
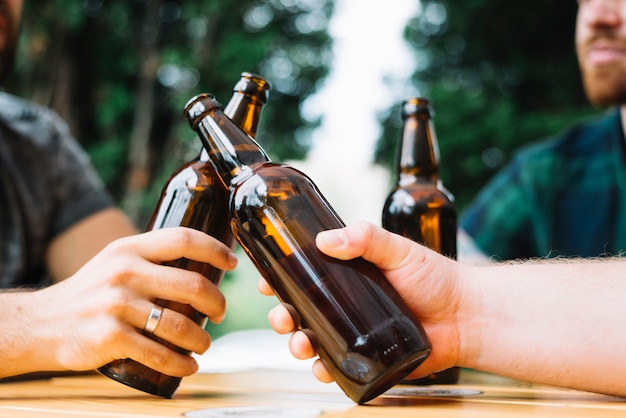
<point x="386" y="250"/>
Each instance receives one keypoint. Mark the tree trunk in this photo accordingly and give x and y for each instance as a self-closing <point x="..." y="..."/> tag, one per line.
<point x="138" y="171"/>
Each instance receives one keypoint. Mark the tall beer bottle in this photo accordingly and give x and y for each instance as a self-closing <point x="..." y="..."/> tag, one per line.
<point x="365" y="334"/>
<point x="419" y="207"/>
<point x="194" y="197"/>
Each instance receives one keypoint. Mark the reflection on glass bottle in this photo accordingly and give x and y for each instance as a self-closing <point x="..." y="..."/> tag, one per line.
<point x="365" y="334"/>
<point x="419" y="207"/>
<point x="194" y="197"/>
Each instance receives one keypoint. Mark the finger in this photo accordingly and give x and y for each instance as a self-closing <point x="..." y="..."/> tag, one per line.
<point x="172" y="326"/>
<point x="390" y="252"/>
<point x="155" y="281"/>
<point x="300" y="346"/>
<point x="321" y="373"/>
<point x="281" y="320"/>
<point x="170" y="244"/>
<point x="194" y="289"/>
<point x="264" y="287"/>
<point x="181" y="331"/>
<point x="159" y="357"/>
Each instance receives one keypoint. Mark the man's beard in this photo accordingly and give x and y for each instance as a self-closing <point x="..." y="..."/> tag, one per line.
<point x="605" y="86"/>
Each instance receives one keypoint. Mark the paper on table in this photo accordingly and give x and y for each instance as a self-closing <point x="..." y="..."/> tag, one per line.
<point x="249" y="350"/>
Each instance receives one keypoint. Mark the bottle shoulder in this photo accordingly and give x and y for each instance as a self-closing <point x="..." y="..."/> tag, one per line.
<point x="193" y="174"/>
<point x="274" y="173"/>
<point x="417" y="200"/>
<point x="279" y="185"/>
<point x="422" y="190"/>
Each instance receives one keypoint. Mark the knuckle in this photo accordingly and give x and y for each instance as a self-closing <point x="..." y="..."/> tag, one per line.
<point x="116" y="304"/>
<point x="110" y="334"/>
<point x="181" y="325"/>
<point x="121" y="271"/>
<point x="159" y="357"/>
<point x="196" y="284"/>
<point x="184" y="236"/>
<point x="120" y="245"/>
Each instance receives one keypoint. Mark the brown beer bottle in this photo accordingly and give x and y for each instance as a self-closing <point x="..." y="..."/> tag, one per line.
<point x="194" y="197"/>
<point x="419" y="207"/>
<point x="363" y="331"/>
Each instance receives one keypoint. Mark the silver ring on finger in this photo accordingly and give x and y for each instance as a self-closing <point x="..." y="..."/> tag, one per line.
<point x="153" y="319"/>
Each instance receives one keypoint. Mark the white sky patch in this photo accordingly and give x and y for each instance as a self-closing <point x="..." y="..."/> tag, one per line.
<point x="370" y="71"/>
<point x="368" y="48"/>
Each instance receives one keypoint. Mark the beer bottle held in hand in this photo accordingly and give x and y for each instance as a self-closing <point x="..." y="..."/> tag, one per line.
<point x="419" y="207"/>
<point x="363" y="331"/>
<point x="194" y="197"/>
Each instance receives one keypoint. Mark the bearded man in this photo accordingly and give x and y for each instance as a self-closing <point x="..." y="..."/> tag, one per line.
<point x="565" y="196"/>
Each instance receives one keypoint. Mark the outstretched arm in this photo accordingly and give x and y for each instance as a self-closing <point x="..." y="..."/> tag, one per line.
<point x="97" y="315"/>
<point x="83" y="240"/>
<point x="553" y="322"/>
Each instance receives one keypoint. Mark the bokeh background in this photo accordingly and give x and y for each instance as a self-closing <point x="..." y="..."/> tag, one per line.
<point x="499" y="75"/>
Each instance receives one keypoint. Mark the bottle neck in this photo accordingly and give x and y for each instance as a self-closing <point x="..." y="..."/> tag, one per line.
<point x="244" y="107"/>
<point x="245" y="112"/>
<point x="232" y="152"/>
<point x="418" y="155"/>
<point x="249" y="96"/>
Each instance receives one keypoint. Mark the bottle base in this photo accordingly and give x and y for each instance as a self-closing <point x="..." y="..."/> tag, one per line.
<point x="363" y="393"/>
<point x="446" y="377"/>
<point x="140" y="377"/>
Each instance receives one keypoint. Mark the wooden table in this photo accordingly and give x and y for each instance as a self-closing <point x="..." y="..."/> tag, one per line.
<point x="296" y="394"/>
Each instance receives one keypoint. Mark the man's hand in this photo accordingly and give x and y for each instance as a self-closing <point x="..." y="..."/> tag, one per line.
<point x="98" y="314"/>
<point x="427" y="281"/>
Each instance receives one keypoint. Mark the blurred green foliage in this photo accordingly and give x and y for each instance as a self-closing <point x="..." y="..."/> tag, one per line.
<point x="120" y="72"/>
<point x="499" y="75"/>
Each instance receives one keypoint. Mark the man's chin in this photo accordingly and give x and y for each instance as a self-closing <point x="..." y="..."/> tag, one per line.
<point x="606" y="100"/>
<point x="605" y="89"/>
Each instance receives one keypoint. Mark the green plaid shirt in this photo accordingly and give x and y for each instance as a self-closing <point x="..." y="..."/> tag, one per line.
<point x="562" y="197"/>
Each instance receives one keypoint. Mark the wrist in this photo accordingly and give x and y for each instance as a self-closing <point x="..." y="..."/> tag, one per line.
<point x="25" y="348"/>
<point x="470" y="315"/>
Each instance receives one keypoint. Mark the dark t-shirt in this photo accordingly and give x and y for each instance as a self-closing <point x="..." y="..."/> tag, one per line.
<point x="47" y="184"/>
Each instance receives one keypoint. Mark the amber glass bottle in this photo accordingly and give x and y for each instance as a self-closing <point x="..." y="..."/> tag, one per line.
<point x="193" y="196"/>
<point x="419" y="207"/>
<point x="365" y="334"/>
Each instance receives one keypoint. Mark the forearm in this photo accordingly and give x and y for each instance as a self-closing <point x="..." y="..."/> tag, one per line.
<point x="25" y="347"/>
<point x="559" y="324"/>
<point x="64" y="257"/>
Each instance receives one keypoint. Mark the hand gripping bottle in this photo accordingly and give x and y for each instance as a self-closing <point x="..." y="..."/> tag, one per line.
<point x="194" y="197"/>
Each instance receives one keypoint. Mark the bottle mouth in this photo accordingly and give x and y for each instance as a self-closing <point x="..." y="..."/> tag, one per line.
<point x="417" y="106"/>
<point x="250" y="84"/>
<point x="254" y="85"/>
<point x="198" y="106"/>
